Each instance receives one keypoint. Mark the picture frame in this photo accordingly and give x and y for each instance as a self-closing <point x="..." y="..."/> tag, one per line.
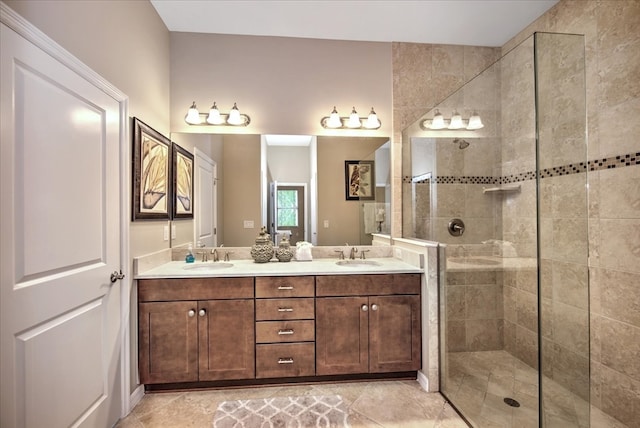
<point x="151" y="173"/>
<point x="359" y="178"/>
<point x="182" y="183"/>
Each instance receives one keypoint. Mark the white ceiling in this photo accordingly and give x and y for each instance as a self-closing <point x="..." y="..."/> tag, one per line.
<point x="460" y="22"/>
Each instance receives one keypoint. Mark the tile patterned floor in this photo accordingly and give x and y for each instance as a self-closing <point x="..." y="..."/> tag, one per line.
<point x="478" y="382"/>
<point x="379" y="404"/>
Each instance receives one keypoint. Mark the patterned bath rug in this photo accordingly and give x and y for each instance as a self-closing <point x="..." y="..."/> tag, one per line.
<point x="307" y="411"/>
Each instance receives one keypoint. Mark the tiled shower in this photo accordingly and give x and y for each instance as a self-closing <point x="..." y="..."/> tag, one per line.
<point x="514" y="287"/>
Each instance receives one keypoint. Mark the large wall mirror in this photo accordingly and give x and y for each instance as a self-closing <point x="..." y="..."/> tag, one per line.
<point x="294" y="185"/>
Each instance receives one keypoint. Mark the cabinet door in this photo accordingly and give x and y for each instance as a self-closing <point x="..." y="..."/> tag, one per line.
<point x="342" y="335"/>
<point x="168" y="342"/>
<point x="394" y="333"/>
<point x="226" y="330"/>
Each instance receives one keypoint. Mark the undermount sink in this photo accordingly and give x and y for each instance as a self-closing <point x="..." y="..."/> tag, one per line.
<point x="357" y="263"/>
<point x="474" y="261"/>
<point x="208" y="266"/>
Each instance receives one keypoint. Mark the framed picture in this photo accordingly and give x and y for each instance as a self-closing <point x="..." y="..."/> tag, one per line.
<point x="359" y="177"/>
<point x="182" y="183"/>
<point x="151" y="173"/>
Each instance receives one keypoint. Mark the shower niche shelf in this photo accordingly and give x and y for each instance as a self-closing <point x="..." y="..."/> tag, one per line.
<point x="502" y="189"/>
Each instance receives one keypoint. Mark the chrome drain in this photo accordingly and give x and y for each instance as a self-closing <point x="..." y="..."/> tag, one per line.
<point x="511" y="402"/>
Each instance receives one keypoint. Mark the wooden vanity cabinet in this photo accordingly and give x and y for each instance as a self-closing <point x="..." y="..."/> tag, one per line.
<point x="367" y="324"/>
<point x="196" y="329"/>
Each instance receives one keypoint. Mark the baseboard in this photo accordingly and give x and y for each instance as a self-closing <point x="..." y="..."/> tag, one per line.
<point x="135" y="397"/>
<point x="423" y="380"/>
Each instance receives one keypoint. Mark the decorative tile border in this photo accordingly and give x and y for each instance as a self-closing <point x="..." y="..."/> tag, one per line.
<point x="592" y="165"/>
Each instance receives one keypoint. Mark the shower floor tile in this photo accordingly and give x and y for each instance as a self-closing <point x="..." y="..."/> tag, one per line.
<point x="477" y="383"/>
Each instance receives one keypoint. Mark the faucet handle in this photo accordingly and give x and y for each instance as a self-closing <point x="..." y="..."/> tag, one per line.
<point x="226" y="255"/>
<point x="340" y="254"/>
<point x="362" y="253"/>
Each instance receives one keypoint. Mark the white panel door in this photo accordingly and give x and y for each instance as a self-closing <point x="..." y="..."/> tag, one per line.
<point x="206" y="200"/>
<point x="60" y="241"/>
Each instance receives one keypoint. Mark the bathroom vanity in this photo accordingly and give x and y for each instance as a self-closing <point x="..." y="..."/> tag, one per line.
<point x="277" y="322"/>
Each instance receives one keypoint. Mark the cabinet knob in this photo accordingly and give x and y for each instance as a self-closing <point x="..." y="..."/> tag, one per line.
<point x="202" y="312"/>
<point x="364" y="308"/>
<point x="191" y="313"/>
<point x="374" y="307"/>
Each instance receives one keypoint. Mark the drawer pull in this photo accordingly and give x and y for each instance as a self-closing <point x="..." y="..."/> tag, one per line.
<point x="285" y="360"/>
<point x="285" y="309"/>
<point x="285" y="332"/>
<point x="285" y="287"/>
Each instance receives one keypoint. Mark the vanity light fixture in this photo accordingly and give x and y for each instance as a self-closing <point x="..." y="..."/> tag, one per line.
<point x="214" y="117"/>
<point x="353" y="121"/>
<point x="456" y="122"/>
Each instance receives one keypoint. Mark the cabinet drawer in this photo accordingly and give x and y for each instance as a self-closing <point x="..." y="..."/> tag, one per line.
<point x="285" y="286"/>
<point x="285" y="331"/>
<point x="163" y="290"/>
<point x="368" y="285"/>
<point x="284" y="309"/>
<point x="285" y="360"/>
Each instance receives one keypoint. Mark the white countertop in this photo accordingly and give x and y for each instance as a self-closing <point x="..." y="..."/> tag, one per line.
<point x="327" y="266"/>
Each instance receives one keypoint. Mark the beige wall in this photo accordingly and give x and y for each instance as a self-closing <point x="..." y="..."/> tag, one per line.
<point x="241" y="202"/>
<point x="343" y="215"/>
<point x="286" y="85"/>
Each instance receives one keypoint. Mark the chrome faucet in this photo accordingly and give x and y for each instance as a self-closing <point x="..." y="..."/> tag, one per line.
<point x="352" y="253"/>
<point x="215" y="255"/>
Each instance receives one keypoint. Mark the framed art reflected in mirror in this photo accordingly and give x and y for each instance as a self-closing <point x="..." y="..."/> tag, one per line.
<point x="151" y="173"/>
<point x="182" y="183"/>
<point x="359" y="180"/>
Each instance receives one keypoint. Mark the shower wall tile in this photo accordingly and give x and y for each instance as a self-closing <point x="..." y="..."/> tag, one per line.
<point x="621" y="347"/>
<point x="620" y="396"/>
<point x="569" y="328"/>
<point x="620" y="296"/>
<point x="619" y="82"/>
<point x="569" y="240"/>
<point x="595" y="331"/>
<point x="527" y="310"/>
<point x="527" y="346"/>
<point x="484" y="335"/>
<point x="450" y="200"/>
<point x="571" y="281"/>
<point x="509" y="337"/>
<point x="483" y="301"/>
<point x="617" y="134"/>
<point x="620" y="197"/>
<point x="619" y="246"/>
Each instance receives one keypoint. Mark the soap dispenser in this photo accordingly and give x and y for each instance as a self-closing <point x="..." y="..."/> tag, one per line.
<point x="190" y="257"/>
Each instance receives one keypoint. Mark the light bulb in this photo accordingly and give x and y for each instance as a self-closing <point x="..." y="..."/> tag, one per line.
<point x="456" y="121"/>
<point x="438" y="121"/>
<point x="193" y="115"/>
<point x="372" y="121"/>
<point x="475" y="122"/>
<point x="334" y="120"/>
<point x="354" y="119"/>
<point x="234" y="116"/>
<point x="214" y="117"/>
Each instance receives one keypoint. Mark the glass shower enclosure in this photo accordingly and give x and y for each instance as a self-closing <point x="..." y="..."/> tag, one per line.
<point x="507" y="203"/>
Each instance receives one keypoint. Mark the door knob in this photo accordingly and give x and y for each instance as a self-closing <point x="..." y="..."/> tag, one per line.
<point x="202" y="312"/>
<point x="364" y="308"/>
<point x="374" y="307"/>
<point x="115" y="275"/>
<point x="191" y="313"/>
